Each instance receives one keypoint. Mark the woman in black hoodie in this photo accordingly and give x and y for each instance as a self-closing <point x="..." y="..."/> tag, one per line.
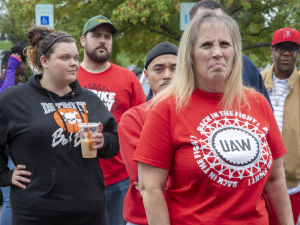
<point x="52" y="183"/>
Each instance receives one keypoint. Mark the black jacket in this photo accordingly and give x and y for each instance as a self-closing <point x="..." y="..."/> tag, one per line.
<point x="253" y="78"/>
<point x="65" y="188"/>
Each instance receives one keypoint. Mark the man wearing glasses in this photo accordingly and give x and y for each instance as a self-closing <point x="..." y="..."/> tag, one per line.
<point x="283" y="85"/>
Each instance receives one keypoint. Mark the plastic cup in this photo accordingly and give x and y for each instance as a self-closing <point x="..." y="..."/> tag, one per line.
<point x="87" y="146"/>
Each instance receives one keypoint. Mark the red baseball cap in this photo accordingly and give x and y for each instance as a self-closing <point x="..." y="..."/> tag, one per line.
<point x="286" y="34"/>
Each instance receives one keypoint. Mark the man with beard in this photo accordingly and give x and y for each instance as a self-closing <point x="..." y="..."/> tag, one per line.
<point x="159" y="70"/>
<point x="283" y="85"/>
<point x="120" y="90"/>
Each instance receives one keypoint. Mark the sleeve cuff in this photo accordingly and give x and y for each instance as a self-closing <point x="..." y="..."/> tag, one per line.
<point x="16" y="58"/>
<point x="7" y="178"/>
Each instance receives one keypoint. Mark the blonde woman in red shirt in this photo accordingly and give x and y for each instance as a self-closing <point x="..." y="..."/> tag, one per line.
<point x="215" y="141"/>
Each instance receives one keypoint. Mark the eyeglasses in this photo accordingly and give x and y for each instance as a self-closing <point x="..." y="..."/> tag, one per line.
<point x="281" y="49"/>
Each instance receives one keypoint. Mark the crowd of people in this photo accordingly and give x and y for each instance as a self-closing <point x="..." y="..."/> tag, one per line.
<point x="214" y="142"/>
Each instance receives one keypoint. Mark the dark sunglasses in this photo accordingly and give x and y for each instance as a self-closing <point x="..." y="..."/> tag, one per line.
<point x="281" y="49"/>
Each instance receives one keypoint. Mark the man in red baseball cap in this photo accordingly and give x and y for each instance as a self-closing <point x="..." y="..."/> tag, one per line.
<point x="283" y="85"/>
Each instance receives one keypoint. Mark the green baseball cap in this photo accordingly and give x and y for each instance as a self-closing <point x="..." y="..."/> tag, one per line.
<point x="95" y="21"/>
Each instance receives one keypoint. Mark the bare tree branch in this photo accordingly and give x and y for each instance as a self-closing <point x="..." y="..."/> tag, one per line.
<point x="163" y="33"/>
<point x="266" y="5"/>
<point x="123" y="30"/>
<point x="170" y="31"/>
<point x="258" y="45"/>
<point x="258" y="33"/>
<point x="248" y="24"/>
<point x="236" y="10"/>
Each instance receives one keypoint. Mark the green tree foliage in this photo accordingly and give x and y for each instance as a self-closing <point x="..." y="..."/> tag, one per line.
<point x="13" y="28"/>
<point x="142" y="24"/>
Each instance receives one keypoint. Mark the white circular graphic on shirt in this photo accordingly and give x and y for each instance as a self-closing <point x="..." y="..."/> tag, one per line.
<point x="235" y="146"/>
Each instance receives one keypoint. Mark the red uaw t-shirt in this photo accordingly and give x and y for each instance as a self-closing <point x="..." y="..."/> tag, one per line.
<point x="129" y="129"/>
<point x="218" y="160"/>
<point x="119" y="89"/>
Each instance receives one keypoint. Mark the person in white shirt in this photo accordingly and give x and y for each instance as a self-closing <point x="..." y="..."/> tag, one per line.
<point x="283" y="85"/>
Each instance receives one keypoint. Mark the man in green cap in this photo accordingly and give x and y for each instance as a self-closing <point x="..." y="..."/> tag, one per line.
<point x="119" y="89"/>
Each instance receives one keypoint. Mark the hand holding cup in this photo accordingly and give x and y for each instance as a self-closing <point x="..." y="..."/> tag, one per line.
<point x="91" y="139"/>
<point x="98" y="138"/>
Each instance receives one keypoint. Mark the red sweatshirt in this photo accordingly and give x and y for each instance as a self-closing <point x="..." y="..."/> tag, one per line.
<point x="119" y="89"/>
<point x="129" y="129"/>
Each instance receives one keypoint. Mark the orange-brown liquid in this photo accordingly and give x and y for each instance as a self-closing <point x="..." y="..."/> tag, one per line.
<point x="87" y="148"/>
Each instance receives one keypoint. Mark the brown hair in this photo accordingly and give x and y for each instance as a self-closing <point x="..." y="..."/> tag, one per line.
<point x="206" y="4"/>
<point x="40" y="38"/>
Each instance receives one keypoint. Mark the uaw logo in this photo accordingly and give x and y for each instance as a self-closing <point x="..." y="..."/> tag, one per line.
<point x="235" y="146"/>
<point x="287" y="34"/>
<point x="231" y="146"/>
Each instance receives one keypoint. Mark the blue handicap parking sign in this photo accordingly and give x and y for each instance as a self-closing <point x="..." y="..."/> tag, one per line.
<point x="45" y="20"/>
<point x="186" y="18"/>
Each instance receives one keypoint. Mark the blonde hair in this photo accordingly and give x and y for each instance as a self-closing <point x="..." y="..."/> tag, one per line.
<point x="184" y="80"/>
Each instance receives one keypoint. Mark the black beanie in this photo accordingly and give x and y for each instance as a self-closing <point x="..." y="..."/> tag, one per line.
<point x="165" y="48"/>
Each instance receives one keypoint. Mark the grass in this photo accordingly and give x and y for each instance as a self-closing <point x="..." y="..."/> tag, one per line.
<point x="5" y="45"/>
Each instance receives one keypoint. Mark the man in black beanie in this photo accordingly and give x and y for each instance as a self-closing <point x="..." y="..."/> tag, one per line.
<point x="159" y="70"/>
<point x="160" y="65"/>
<point x="165" y="48"/>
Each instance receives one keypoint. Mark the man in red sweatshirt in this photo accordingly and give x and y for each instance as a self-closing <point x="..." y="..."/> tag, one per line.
<point x="120" y="90"/>
<point x="159" y="70"/>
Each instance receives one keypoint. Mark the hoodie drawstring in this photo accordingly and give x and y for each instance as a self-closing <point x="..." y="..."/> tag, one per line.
<point x="77" y="107"/>
<point x="63" y="120"/>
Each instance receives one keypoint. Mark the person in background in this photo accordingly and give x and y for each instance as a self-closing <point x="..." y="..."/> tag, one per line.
<point x="283" y="84"/>
<point x="159" y="70"/>
<point x="214" y="140"/>
<point x="52" y="183"/>
<point x="13" y="68"/>
<point x="119" y="89"/>
<point x="251" y="75"/>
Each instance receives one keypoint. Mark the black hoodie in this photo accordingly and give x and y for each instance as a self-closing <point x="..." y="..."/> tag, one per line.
<point x="65" y="188"/>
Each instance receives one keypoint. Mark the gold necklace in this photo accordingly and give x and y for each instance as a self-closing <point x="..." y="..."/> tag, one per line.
<point x="285" y="89"/>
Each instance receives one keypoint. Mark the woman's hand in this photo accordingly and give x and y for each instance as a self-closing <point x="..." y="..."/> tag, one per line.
<point x="137" y="187"/>
<point x="18" y="174"/>
<point x="142" y="192"/>
<point x="17" y="55"/>
<point x="276" y="193"/>
<point x="98" y="137"/>
<point x="151" y="184"/>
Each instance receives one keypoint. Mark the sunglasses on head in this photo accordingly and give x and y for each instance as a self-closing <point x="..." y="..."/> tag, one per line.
<point x="281" y="49"/>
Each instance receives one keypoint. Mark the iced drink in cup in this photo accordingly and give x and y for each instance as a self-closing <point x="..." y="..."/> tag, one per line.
<point x="87" y="146"/>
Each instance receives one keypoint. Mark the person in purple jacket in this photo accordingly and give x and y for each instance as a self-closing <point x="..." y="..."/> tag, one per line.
<point x="13" y="68"/>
